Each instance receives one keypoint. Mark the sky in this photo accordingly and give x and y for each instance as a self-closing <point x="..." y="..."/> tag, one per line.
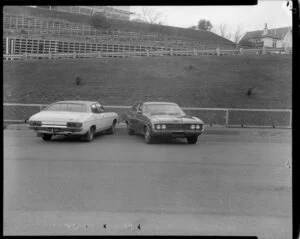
<point x="275" y="13"/>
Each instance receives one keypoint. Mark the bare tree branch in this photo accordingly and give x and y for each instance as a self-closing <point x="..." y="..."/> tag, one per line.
<point x="228" y="36"/>
<point x="149" y="15"/>
<point x="223" y="30"/>
<point x="238" y="33"/>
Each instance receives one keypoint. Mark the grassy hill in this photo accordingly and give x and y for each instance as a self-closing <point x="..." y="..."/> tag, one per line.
<point x="203" y="81"/>
<point x="203" y="36"/>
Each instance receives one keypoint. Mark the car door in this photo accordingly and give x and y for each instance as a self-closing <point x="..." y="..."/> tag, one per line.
<point x="142" y="119"/>
<point x="139" y="119"/>
<point x="98" y="117"/>
<point x="106" y="118"/>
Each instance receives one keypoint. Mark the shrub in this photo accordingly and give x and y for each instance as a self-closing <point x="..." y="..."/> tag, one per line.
<point x="190" y="67"/>
<point x="100" y="21"/>
<point x="78" y="80"/>
<point x="23" y="31"/>
<point x="250" y="90"/>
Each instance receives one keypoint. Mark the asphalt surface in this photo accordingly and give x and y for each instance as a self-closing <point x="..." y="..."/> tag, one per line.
<point x="232" y="182"/>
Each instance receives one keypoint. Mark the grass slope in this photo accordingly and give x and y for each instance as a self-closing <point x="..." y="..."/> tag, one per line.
<point x="203" y="81"/>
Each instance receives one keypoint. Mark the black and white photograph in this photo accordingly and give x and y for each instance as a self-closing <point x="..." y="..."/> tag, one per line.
<point x="148" y="120"/>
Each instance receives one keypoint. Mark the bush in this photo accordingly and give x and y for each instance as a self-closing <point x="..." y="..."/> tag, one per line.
<point x="23" y="31"/>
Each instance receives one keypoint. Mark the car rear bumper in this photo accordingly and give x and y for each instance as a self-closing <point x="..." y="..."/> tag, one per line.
<point x="57" y="130"/>
<point x="176" y="134"/>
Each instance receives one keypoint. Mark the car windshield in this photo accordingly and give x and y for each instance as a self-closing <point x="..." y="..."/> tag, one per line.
<point x="67" y="107"/>
<point x="163" y="109"/>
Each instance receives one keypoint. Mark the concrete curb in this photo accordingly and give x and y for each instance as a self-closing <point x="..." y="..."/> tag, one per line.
<point x="216" y="129"/>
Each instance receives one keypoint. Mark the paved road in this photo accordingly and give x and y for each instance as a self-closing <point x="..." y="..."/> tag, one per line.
<point x="234" y="183"/>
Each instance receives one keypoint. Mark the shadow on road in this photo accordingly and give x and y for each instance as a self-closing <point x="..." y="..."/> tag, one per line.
<point x="75" y="138"/>
<point x="160" y="140"/>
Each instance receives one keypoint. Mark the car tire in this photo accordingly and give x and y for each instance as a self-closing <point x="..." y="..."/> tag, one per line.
<point x="192" y="139"/>
<point x="47" y="137"/>
<point x="148" y="136"/>
<point x="90" y="135"/>
<point x="112" y="129"/>
<point x="129" y="130"/>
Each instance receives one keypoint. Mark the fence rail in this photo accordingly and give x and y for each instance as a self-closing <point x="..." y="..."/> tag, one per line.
<point x="74" y="55"/>
<point x="215" y="116"/>
<point x="127" y="53"/>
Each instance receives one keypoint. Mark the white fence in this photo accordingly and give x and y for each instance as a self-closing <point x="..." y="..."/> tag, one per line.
<point x="230" y="117"/>
<point x="75" y="55"/>
<point x="147" y="53"/>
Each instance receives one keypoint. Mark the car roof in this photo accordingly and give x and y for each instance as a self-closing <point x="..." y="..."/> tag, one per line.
<point x="159" y="102"/>
<point x="76" y="102"/>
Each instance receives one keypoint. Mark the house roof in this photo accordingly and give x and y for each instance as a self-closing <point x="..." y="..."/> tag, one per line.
<point x="278" y="33"/>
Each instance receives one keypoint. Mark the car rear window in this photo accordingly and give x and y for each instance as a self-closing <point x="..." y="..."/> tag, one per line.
<point x="67" y="107"/>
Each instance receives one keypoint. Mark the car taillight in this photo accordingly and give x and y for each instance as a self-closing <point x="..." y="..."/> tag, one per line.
<point x="74" y="125"/>
<point x="35" y="123"/>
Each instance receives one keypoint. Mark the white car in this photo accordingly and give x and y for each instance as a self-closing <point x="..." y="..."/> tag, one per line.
<point x="82" y="118"/>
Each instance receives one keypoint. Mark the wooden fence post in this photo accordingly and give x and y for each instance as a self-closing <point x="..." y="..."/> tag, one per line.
<point x="25" y="56"/>
<point x="218" y="51"/>
<point x="50" y="56"/>
<point x="291" y="119"/>
<point x="241" y="51"/>
<point x="264" y="51"/>
<point x="171" y="52"/>
<point x="148" y="53"/>
<point x="195" y="52"/>
<point x="99" y="54"/>
<point x="227" y="118"/>
<point x="74" y="54"/>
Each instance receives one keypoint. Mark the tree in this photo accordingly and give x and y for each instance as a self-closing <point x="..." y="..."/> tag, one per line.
<point x="204" y="25"/>
<point x="100" y="21"/>
<point x="223" y="30"/>
<point x="151" y="16"/>
<point x="237" y="34"/>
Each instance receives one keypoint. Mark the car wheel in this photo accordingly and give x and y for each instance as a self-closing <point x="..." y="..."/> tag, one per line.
<point x="90" y="135"/>
<point x="112" y="130"/>
<point x="148" y="136"/>
<point x="192" y="139"/>
<point x="129" y="130"/>
<point x="47" y="137"/>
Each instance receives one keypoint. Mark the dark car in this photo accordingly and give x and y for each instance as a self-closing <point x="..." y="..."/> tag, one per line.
<point x="154" y="119"/>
